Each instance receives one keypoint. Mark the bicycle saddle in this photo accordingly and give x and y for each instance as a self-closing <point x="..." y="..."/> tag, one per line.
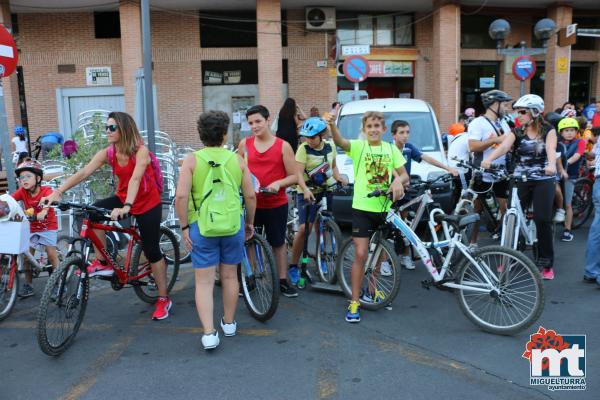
<point x="457" y="220"/>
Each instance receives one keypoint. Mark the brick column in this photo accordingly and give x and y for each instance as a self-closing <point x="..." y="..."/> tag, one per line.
<point x="270" y="73"/>
<point x="10" y="85"/>
<point x="556" y="86"/>
<point x="131" y="49"/>
<point x="446" y="62"/>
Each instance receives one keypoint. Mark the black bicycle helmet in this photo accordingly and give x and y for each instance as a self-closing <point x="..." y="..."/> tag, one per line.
<point x="492" y="96"/>
<point x="553" y="119"/>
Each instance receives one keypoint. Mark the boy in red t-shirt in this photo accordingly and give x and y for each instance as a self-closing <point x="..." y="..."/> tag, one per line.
<point x="44" y="226"/>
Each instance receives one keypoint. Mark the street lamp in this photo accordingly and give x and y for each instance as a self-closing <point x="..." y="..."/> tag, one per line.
<point x="543" y="30"/>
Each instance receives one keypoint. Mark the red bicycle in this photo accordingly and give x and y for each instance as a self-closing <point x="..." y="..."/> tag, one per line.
<point x="65" y="296"/>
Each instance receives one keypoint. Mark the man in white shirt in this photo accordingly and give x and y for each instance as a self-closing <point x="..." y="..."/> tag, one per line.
<point x="485" y="133"/>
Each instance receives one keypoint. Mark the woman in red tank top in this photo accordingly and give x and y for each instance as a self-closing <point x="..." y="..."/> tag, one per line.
<point x="136" y="194"/>
<point x="271" y="161"/>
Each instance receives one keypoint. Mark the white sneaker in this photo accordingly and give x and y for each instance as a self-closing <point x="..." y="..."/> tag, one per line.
<point x="228" y="329"/>
<point x="407" y="262"/>
<point x="559" y="216"/>
<point x="386" y="268"/>
<point x="211" y="340"/>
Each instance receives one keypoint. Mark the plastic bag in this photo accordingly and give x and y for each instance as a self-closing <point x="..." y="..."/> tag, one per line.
<point x="10" y="210"/>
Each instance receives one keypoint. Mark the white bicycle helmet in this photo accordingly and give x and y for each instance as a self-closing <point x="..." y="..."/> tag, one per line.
<point x="532" y="102"/>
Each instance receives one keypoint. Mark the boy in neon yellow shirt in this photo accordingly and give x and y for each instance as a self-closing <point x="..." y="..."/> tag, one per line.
<point x="377" y="165"/>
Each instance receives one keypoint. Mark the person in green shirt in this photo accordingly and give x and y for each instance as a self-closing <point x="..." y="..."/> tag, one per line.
<point x="317" y="174"/>
<point x="377" y="165"/>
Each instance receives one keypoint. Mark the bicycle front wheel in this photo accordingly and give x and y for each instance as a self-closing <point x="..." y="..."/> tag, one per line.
<point x="327" y="249"/>
<point x="62" y="307"/>
<point x="515" y="298"/>
<point x="381" y="282"/>
<point x="259" y="279"/>
<point x="145" y="287"/>
<point x="9" y="284"/>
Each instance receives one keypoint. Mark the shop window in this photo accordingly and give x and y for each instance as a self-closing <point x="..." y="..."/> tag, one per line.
<point x="14" y="22"/>
<point x="238" y="72"/>
<point x="474" y="32"/>
<point x="539" y="79"/>
<point x="586" y="42"/>
<point x="228" y="29"/>
<point x="107" y="25"/>
<point x="376" y="30"/>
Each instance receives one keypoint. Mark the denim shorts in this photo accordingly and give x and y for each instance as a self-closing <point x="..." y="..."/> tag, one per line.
<point x="212" y="251"/>
<point x="569" y="190"/>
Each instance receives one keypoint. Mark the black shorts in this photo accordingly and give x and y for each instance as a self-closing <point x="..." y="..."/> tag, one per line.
<point x="364" y="223"/>
<point x="500" y="188"/>
<point x="274" y="221"/>
<point x="148" y="225"/>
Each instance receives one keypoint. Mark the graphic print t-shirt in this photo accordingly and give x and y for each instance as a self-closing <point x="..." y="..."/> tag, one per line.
<point x="373" y="167"/>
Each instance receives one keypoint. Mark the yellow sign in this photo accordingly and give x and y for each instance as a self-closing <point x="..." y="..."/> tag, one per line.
<point x="562" y="65"/>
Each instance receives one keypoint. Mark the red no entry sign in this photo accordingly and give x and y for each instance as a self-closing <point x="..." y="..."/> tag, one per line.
<point x="8" y="53"/>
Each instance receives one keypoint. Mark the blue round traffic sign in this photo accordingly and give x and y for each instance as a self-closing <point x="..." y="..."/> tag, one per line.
<point x="356" y="68"/>
<point x="524" y="68"/>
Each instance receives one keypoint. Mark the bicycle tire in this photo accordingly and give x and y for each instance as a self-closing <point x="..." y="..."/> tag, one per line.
<point x="513" y="268"/>
<point x="65" y="291"/>
<point x="8" y="296"/>
<point x="344" y="269"/>
<point x="146" y="288"/>
<point x="328" y="256"/>
<point x="508" y="231"/>
<point x="467" y="231"/>
<point x="261" y="291"/>
<point x="185" y="256"/>
<point x="582" y="202"/>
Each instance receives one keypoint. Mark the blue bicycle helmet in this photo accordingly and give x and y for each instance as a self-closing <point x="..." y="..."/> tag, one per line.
<point x="313" y="126"/>
<point x="19" y="130"/>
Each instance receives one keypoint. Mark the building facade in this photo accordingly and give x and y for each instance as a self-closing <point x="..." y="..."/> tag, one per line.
<point x="74" y="56"/>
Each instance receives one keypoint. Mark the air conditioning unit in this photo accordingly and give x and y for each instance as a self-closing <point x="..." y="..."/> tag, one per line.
<point x="320" y="18"/>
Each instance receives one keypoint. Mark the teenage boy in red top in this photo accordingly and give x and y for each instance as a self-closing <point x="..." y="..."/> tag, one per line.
<point x="271" y="161"/>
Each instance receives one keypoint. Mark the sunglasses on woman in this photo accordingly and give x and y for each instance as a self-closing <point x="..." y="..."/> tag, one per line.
<point x="112" y="128"/>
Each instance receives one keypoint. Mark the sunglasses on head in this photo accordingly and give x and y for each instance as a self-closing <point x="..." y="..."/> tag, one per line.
<point x="112" y="128"/>
<point x="522" y="112"/>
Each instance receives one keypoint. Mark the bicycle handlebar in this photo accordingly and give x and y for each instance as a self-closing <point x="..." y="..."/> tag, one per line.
<point x="103" y="212"/>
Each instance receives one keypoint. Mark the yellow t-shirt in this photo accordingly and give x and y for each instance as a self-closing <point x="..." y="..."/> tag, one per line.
<point x="319" y="161"/>
<point x="373" y="167"/>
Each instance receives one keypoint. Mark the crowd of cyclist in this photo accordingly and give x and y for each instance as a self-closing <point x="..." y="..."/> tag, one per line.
<point x="215" y="223"/>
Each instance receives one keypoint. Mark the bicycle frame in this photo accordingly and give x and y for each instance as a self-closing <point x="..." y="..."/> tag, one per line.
<point x="521" y="222"/>
<point x="122" y="273"/>
<point x="453" y="243"/>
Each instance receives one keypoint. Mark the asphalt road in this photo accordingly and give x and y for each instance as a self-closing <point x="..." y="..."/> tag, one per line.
<point x="424" y="348"/>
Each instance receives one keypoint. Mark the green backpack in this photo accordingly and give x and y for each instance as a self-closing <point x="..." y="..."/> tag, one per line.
<point x="220" y="208"/>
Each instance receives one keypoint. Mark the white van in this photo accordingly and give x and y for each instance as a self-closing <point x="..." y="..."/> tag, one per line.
<point x="424" y="133"/>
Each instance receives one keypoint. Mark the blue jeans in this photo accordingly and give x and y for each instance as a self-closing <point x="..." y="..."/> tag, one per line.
<point x="592" y="256"/>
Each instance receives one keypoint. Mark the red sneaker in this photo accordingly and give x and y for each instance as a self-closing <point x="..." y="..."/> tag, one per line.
<point x="96" y="268"/>
<point x="548" y="273"/>
<point x="163" y="305"/>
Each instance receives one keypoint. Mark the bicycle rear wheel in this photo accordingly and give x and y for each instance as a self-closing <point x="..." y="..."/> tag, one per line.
<point x="259" y="279"/>
<point x="327" y="248"/>
<point x="582" y="202"/>
<point x="62" y="307"/>
<point x="378" y="289"/>
<point x="184" y="254"/>
<point x="145" y="287"/>
<point x="9" y="284"/>
<point x="516" y="297"/>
